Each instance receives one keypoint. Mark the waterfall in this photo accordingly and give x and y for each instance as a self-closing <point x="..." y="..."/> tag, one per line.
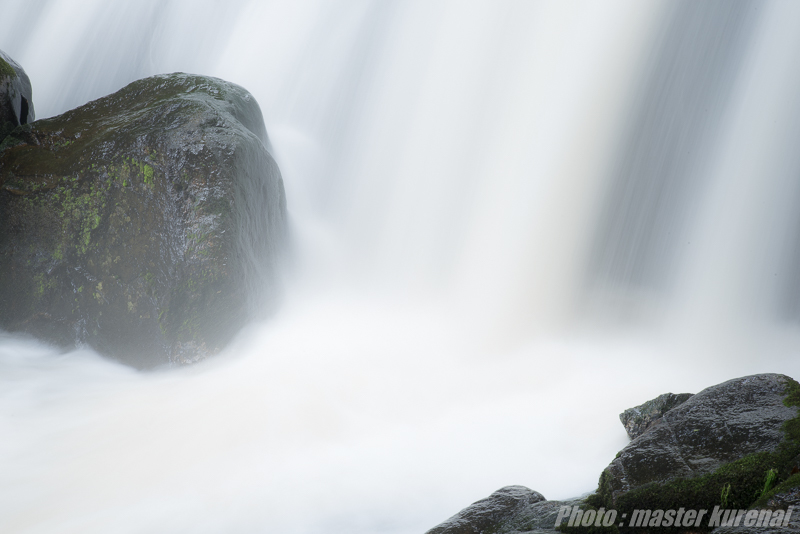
<point x="510" y="222"/>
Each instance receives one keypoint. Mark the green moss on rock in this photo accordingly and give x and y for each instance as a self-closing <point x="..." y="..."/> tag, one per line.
<point x="6" y="70"/>
<point x="145" y="198"/>
<point x="739" y="484"/>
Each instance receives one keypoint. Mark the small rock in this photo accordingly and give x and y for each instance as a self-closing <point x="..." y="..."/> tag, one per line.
<point x="538" y="518"/>
<point x="489" y="514"/>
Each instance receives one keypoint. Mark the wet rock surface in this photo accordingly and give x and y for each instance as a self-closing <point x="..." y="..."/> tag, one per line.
<point x="720" y="424"/>
<point x="146" y="224"/>
<point x="537" y="518"/>
<point x="492" y="513"/>
<point x="783" y="500"/>
<point x="16" y="102"/>
<point x="510" y="510"/>
<point x="734" y="446"/>
<point x="638" y="419"/>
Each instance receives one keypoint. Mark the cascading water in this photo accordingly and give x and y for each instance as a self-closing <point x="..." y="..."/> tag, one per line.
<point x="511" y="221"/>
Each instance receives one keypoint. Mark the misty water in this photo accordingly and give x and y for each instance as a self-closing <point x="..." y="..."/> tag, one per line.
<point x="510" y="221"/>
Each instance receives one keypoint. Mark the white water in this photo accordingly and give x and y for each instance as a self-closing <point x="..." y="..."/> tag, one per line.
<point x="456" y="317"/>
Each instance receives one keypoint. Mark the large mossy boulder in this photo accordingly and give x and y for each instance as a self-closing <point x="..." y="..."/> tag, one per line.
<point x="145" y="224"/>
<point x="16" y="103"/>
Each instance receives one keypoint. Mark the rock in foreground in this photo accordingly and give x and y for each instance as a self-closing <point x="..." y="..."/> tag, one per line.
<point x="145" y="224"/>
<point x="719" y="425"/>
<point x="734" y="446"/>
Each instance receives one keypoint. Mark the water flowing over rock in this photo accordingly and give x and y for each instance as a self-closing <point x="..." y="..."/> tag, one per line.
<point x="16" y="101"/>
<point x="145" y="224"/>
<point x="638" y="419"/>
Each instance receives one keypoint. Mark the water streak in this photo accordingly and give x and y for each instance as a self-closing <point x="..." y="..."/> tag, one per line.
<point x="510" y="222"/>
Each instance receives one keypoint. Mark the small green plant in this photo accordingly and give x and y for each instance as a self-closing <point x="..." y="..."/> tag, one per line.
<point x="6" y="69"/>
<point x="769" y="480"/>
<point x="723" y="497"/>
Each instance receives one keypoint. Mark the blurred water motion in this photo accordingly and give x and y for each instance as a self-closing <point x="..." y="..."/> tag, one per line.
<point x="511" y="221"/>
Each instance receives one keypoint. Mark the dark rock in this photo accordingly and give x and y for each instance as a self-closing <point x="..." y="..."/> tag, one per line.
<point x="490" y="514"/>
<point x="783" y="500"/>
<point x="637" y="420"/>
<point x="717" y="426"/>
<point x="16" y="104"/>
<point x="792" y="468"/>
<point x="734" y="446"/>
<point x="145" y="224"/>
<point x="510" y="510"/>
<point x="536" y="518"/>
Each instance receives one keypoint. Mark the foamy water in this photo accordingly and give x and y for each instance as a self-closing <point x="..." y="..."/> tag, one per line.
<point x="458" y="316"/>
